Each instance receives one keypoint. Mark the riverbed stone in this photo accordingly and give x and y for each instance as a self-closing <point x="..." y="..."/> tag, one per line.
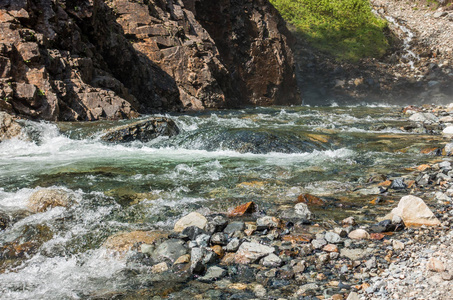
<point x="243" y="209"/>
<point x="233" y="245"/>
<point x="268" y="222"/>
<point x="318" y="243"/>
<point x="45" y="199"/>
<point x="354" y="254"/>
<point x="170" y="249"/>
<point x="332" y="237"/>
<point x="219" y="238"/>
<point x="422" y="117"/>
<point x="159" y="268"/>
<point x="359" y="234"/>
<point x="192" y="219"/>
<point x="213" y="273"/>
<point x="250" y="252"/>
<point x="124" y="241"/>
<point x="414" y="212"/>
<point x="434" y="264"/>
<point x="302" y="211"/>
<point x="271" y="260"/>
<point x="234" y="226"/>
<point x="192" y="232"/>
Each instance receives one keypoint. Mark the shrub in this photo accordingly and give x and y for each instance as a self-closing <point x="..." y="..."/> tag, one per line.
<point x="347" y="29"/>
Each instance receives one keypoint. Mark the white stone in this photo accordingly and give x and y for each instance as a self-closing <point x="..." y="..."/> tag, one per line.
<point x="303" y="211"/>
<point x="414" y="212"/>
<point x="359" y="234"/>
<point x="192" y="219"/>
<point x="271" y="260"/>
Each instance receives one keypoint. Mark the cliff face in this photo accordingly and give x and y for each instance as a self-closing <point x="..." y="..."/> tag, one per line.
<point x="92" y="59"/>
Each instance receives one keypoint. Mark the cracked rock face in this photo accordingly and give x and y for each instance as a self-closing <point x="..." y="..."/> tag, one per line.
<point x="92" y="59"/>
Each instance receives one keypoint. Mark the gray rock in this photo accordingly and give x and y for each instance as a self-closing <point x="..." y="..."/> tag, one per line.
<point x="196" y="260"/>
<point x="217" y="224"/>
<point x="318" y="243"/>
<point x="302" y="211"/>
<point x="354" y="254"/>
<point x="250" y="252"/>
<point x="440" y="14"/>
<point x="203" y="240"/>
<point x="353" y="296"/>
<point x="271" y="260"/>
<point x="234" y="226"/>
<point x="398" y="184"/>
<point x="192" y="232"/>
<point x="170" y="249"/>
<point x="219" y="238"/>
<point x="307" y="287"/>
<point x="422" y="117"/>
<point x="233" y="245"/>
<point x="371" y="263"/>
<point x="332" y="237"/>
<point x="213" y="273"/>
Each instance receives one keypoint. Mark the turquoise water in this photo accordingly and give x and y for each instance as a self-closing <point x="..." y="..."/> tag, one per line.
<point x="220" y="159"/>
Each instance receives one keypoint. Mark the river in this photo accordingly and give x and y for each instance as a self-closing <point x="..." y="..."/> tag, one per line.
<point x="219" y="160"/>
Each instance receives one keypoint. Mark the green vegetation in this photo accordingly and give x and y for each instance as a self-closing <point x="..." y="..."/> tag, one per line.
<point x="346" y="29"/>
<point x="41" y="93"/>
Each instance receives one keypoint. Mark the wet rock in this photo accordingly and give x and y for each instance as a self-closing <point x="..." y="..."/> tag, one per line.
<point x="192" y="232"/>
<point x="192" y="219"/>
<point x="144" y="131"/>
<point x="398" y="184"/>
<point x="200" y="257"/>
<point x="246" y="208"/>
<point x="302" y="211"/>
<point x="45" y="199"/>
<point x="217" y="224"/>
<point x="234" y="227"/>
<point x="435" y="265"/>
<point x="414" y="212"/>
<point x="4" y="220"/>
<point x="124" y="241"/>
<point x="359" y="234"/>
<point x="422" y="117"/>
<point x="9" y="128"/>
<point x="250" y="252"/>
<point x="271" y="260"/>
<point x="310" y="200"/>
<point x="170" y="250"/>
<point x="213" y="273"/>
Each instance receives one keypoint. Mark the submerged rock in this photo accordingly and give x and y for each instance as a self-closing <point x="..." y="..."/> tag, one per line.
<point x="144" y="131"/>
<point x="124" y="241"/>
<point x="44" y="199"/>
<point x="9" y="128"/>
<point x="169" y="250"/>
<point x="414" y="212"/>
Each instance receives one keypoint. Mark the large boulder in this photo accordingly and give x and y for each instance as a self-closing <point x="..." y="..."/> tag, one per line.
<point x="9" y="128"/>
<point x="192" y="219"/>
<point x="414" y="212"/>
<point x="250" y="252"/>
<point x="144" y="131"/>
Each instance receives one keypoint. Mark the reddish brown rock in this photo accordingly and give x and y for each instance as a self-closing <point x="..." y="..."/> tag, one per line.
<point x="246" y="208"/>
<point x="310" y="200"/>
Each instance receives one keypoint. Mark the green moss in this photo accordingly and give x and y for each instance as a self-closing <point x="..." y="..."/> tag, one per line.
<point x="346" y="29"/>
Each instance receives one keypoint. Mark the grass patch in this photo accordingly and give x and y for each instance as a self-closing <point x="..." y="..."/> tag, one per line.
<point x="346" y="29"/>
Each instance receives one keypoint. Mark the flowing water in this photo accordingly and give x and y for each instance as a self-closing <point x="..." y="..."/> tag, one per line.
<point x="219" y="160"/>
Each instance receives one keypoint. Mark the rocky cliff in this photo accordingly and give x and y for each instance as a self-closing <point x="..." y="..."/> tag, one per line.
<point x="93" y="59"/>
